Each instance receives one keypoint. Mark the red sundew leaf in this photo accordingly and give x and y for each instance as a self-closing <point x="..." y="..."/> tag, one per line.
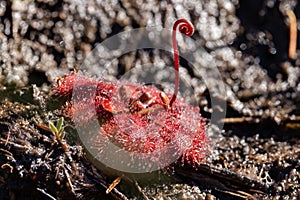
<point x="125" y="123"/>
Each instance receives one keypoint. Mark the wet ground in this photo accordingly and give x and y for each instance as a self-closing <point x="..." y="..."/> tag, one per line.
<point x="255" y="156"/>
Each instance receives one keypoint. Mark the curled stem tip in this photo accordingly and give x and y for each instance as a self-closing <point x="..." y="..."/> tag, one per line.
<point x="187" y="28"/>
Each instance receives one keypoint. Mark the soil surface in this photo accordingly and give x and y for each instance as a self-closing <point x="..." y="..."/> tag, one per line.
<point x="255" y="148"/>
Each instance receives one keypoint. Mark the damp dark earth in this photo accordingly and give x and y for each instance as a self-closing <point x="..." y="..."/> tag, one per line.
<point x="252" y="151"/>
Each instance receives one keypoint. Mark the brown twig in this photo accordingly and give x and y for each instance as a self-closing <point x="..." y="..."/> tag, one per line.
<point x="239" y="194"/>
<point x="293" y="34"/>
<point x="7" y="138"/>
<point x="294" y="118"/>
<point x="224" y="179"/>
<point x="114" y="184"/>
<point x="233" y="120"/>
<point x="7" y="153"/>
<point x="116" y="194"/>
<point x="45" y="193"/>
<point x="140" y="190"/>
<point x="15" y="145"/>
<point x="6" y="165"/>
<point x="69" y="180"/>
